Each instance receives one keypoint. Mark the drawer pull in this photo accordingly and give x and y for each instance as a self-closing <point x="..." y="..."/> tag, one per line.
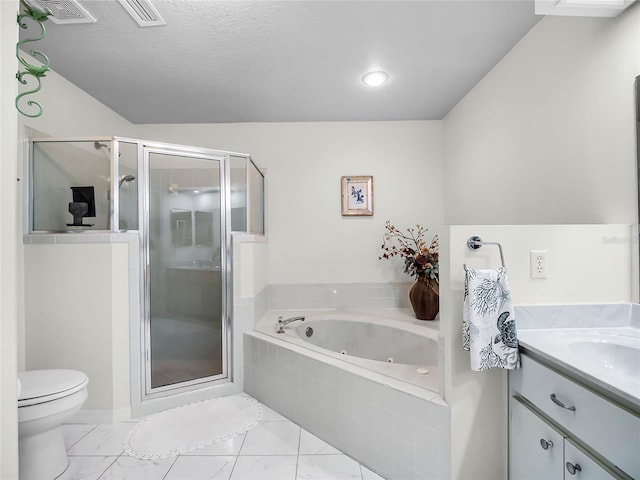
<point x="572" y="469"/>
<point x="546" y="444"/>
<point x="555" y="400"/>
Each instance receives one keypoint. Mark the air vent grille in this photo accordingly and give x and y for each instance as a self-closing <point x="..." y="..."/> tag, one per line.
<point x="65" y="11"/>
<point x="143" y="12"/>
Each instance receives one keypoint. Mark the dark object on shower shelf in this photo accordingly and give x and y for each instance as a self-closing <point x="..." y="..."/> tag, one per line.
<point x="78" y="210"/>
<point x="83" y="205"/>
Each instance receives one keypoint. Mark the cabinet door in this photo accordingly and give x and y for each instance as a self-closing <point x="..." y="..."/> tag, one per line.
<point x="580" y="466"/>
<point x="535" y="447"/>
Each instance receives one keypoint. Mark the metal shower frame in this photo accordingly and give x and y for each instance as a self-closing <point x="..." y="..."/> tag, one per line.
<point x="144" y="147"/>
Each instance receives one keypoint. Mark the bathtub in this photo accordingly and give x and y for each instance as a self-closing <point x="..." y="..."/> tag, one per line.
<point x="365" y="381"/>
<point x="389" y="342"/>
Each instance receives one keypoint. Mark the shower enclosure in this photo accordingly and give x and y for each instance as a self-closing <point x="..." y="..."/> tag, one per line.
<point x="183" y="203"/>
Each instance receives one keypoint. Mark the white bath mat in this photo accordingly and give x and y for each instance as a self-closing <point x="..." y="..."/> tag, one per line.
<point x="193" y="426"/>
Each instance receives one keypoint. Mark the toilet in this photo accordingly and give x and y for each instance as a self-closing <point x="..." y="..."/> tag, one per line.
<point x="46" y="399"/>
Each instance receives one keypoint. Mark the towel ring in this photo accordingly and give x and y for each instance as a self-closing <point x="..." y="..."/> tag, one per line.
<point x="475" y="242"/>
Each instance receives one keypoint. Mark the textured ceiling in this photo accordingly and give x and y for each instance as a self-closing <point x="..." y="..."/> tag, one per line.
<point x="248" y="61"/>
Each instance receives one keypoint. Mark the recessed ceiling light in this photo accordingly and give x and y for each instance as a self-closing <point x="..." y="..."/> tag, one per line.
<point x="375" y="79"/>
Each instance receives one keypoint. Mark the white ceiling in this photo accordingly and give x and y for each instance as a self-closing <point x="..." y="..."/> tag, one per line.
<point x="264" y="61"/>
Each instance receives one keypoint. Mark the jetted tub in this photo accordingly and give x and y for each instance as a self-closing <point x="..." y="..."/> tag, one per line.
<point x="366" y="381"/>
<point x="396" y="345"/>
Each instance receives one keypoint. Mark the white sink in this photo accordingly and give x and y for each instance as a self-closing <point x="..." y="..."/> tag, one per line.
<point x="610" y="356"/>
<point x="607" y="355"/>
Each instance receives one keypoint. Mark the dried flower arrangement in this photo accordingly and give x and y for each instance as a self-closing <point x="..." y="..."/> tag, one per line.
<point x="420" y="261"/>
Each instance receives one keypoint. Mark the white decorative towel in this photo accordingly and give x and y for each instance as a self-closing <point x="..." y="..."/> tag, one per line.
<point x="489" y="327"/>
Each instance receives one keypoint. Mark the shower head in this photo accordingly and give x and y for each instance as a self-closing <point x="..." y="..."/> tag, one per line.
<point x="126" y="178"/>
<point x="98" y="146"/>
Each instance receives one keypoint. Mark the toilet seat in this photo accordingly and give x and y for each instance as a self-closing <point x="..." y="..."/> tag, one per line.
<point x="41" y="386"/>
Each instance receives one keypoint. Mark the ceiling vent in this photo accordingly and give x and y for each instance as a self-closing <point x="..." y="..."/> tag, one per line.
<point x="64" y="11"/>
<point x="143" y="12"/>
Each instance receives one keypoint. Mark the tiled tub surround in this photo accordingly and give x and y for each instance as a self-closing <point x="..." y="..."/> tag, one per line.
<point x="397" y="429"/>
<point x="597" y="344"/>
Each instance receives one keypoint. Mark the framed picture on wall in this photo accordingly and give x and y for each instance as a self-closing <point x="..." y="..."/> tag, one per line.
<point x="357" y="195"/>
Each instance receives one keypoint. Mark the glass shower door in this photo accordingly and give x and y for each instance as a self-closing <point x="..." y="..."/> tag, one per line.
<point x="185" y="288"/>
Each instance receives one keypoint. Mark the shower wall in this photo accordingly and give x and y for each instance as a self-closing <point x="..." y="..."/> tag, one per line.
<point x="87" y="287"/>
<point x="57" y="166"/>
<point x="247" y="196"/>
<point x="128" y="191"/>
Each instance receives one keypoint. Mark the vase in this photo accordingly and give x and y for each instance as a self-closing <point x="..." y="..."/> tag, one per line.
<point x="425" y="299"/>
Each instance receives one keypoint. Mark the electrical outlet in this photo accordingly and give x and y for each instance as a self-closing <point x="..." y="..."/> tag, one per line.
<point x="538" y="264"/>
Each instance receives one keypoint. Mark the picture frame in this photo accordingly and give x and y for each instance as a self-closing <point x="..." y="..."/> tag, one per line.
<point x="357" y="195"/>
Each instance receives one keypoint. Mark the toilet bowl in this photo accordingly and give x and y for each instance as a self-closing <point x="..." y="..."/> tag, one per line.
<point x="47" y="399"/>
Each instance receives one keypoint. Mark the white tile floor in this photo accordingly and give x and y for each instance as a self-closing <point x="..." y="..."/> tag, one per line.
<point x="275" y="449"/>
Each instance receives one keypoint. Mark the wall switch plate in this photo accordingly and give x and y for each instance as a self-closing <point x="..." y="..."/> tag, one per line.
<point x="538" y="263"/>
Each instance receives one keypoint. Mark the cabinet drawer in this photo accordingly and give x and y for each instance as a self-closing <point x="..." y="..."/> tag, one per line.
<point x="603" y="426"/>
<point x="580" y="466"/>
<point x="535" y="447"/>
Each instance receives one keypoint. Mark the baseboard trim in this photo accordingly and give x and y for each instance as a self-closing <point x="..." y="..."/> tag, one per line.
<point x="102" y="416"/>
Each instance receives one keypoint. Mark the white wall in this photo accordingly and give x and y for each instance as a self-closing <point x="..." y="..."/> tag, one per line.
<point x="548" y="136"/>
<point x="309" y="240"/>
<point x="586" y="264"/>
<point x="249" y="266"/>
<point x="70" y="112"/>
<point x="77" y="316"/>
<point x="8" y="242"/>
<point x="249" y="294"/>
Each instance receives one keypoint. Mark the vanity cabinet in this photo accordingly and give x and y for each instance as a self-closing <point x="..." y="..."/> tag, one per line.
<point x="560" y="429"/>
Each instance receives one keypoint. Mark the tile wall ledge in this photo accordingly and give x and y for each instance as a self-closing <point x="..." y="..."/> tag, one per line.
<point x="79" y="237"/>
<point x="339" y="295"/>
<point x="578" y="316"/>
<point x="243" y="237"/>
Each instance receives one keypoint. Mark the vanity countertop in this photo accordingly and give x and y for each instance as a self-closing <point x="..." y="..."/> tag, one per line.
<point x="606" y="359"/>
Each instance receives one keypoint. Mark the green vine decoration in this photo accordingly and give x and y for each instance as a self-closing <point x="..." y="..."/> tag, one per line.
<point x="35" y="71"/>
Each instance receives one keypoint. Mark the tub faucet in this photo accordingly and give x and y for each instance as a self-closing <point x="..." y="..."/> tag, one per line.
<point x="282" y="323"/>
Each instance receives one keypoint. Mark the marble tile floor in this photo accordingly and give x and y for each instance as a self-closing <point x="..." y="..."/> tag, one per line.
<point x="276" y="449"/>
